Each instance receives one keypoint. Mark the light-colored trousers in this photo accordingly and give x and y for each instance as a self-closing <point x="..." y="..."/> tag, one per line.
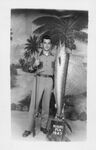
<point x="43" y="84"/>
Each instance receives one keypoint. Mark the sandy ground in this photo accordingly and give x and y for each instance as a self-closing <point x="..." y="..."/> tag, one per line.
<point x="19" y="123"/>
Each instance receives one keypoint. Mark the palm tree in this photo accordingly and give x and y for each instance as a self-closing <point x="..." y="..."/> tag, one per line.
<point x="65" y="28"/>
<point x="31" y="49"/>
<point x="31" y="46"/>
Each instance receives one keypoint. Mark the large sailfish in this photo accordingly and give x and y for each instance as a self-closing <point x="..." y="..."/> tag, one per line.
<point x="69" y="74"/>
<point x="60" y="77"/>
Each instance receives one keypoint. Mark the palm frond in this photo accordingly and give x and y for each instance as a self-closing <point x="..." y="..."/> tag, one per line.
<point x="78" y="21"/>
<point x="28" y="47"/>
<point x="46" y="19"/>
<point x="50" y="28"/>
<point x="68" y="126"/>
<point x="27" y="44"/>
<point x="29" y="40"/>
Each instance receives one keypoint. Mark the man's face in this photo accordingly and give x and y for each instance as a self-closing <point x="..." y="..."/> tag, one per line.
<point x="46" y="44"/>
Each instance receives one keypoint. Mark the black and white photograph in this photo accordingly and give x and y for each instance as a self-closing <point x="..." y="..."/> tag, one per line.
<point x="48" y="74"/>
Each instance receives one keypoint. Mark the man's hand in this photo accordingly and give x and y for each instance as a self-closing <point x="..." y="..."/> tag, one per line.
<point x="37" y="62"/>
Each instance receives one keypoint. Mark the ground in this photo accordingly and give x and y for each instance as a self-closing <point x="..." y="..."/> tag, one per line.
<point x="19" y="122"/>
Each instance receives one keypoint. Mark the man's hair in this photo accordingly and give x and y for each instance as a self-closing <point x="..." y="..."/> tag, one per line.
<point x="46" y="37"/>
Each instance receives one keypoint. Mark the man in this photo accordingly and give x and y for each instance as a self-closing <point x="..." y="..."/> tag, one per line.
<point x="45" y="64"/>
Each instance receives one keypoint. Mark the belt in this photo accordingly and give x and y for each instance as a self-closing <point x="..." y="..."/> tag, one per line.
<point x="45" y="75"/>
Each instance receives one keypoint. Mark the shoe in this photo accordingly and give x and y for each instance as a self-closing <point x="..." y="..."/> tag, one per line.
<point x="26" y="133"/>
<point x="44" y="130"/>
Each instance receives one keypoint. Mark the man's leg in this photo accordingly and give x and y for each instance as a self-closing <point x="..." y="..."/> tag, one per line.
<point x="46" y="102"/>
<point x="32" y="103"/>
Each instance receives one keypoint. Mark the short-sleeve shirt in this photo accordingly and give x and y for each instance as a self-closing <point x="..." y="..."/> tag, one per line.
<point x="47" y="63"/>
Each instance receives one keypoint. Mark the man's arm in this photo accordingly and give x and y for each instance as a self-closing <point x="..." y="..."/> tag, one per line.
<point x="35" y="64"/>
